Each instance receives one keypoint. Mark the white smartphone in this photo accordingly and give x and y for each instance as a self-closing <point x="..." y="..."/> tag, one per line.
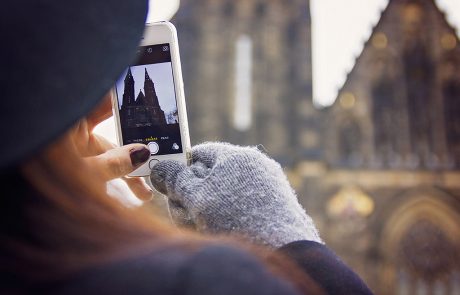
<point x="149" y="104"/>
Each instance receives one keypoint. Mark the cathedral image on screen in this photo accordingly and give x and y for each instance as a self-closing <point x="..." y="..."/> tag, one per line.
<point x="140" y="107"/>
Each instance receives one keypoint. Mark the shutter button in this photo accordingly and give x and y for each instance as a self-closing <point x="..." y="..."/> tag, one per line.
<point x="153" y="147"/>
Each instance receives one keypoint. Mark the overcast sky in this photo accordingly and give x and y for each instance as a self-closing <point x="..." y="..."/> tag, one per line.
<point x="160" y="10"/>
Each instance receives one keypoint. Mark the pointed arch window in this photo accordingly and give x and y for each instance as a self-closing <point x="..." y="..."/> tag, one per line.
<point x="385" y="118"/>
<point x="242" y="111"/>
<point x="451" y="93"/>
<point x="349" y="143"/>
<point x="419" y="76"/>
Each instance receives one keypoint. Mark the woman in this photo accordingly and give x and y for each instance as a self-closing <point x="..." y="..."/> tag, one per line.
<point x="62" y="234"/>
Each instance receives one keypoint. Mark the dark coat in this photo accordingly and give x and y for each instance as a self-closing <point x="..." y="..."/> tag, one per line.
<point x="219" y="270"/>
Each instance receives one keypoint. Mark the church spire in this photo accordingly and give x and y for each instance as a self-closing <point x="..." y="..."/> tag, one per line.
<point x="140" y="98"/>
<point x="129" y="74"/>
<point x="128" y="95"/>
<point x="151" y="97"/>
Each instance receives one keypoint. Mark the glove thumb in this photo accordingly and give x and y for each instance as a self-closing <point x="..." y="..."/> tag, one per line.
<point x="164" y="176"/>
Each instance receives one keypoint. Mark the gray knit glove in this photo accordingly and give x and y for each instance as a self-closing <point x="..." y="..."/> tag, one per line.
<point x="233" y="189"/>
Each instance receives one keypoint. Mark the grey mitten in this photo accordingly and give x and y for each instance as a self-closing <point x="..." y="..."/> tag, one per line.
<point x="233" y="189"/>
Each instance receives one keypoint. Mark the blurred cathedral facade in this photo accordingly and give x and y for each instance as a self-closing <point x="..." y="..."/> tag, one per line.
<point x="379" y="169"/>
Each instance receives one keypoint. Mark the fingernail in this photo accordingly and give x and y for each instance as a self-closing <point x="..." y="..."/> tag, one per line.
<point x="139" y="155"/>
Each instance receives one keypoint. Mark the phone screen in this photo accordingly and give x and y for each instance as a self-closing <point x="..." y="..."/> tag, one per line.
<point x="147" y="102"/>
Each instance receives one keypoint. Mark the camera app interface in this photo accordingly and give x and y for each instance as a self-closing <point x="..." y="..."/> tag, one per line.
<point x="147" y="102"/>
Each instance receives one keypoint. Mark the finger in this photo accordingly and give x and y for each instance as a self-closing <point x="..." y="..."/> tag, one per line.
<point x="200" y="170"/>
<point x="87" y="143"/>
<point x="102" y="112"/>
<point x="98" y="144"/>
<point x="164" y="176"/>
<point x="120" y="161"/>
<point x="140" y="189"/>
<point x="208" y="152"/>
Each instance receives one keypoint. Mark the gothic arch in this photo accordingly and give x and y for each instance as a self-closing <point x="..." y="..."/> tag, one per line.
<point x="349" y="142"/>
<point x="420" y="241"/>
<point x="419" y="66"/>
<point x="387" y="103"/>
<point x="385" y="117"/>
<point x="450" y="87"/>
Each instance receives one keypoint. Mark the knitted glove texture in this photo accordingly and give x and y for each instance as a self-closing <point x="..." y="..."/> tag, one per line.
<point x="233" y="189"/>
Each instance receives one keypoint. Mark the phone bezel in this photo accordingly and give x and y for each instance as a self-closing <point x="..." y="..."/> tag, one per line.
<point x="160" y="33"/>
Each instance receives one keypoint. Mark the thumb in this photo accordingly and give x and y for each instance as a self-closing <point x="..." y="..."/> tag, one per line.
<point x="120" y="161"/>
<point x="164" y="175"/>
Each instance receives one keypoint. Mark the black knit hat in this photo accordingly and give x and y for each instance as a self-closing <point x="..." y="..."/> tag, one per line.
<point x="58" y="59"/>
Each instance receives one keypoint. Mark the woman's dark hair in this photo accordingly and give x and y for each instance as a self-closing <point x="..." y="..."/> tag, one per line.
<point x="56" y="219"/>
